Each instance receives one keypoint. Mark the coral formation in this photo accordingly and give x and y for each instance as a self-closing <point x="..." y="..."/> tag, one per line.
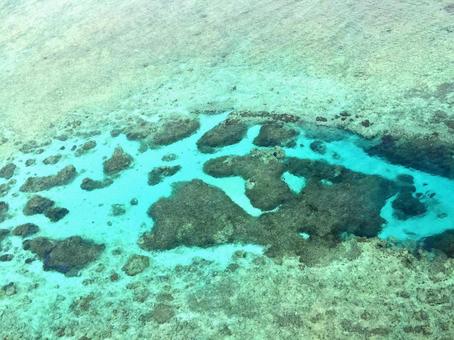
<point x="36" y="184"/>
<point x="228" y="132"/>
<point x="158" y="174"/>
<point x="118" y="162"/>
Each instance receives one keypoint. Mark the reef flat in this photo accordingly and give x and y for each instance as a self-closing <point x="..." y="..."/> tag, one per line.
<point x="143" y="208"/>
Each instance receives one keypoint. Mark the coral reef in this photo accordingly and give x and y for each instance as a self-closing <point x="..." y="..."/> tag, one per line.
<point x="118" y="162"/>
<point x="36" y="184"/>
<point x="66" y="256"/>
<point x="89" y="184"/>
<point x="275" y="134"/>
<point x="7" y="171"/>
<point x="158" y="174"/>
<point x="173" y="130"/>
<point x="229" y="132"/>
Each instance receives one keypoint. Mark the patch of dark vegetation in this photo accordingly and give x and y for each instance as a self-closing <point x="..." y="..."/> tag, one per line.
<point x="7" y="171"/>
<point x="89" y="184"/>
<point x="84" y="148"/>
<point x="158" y="174"/>
<point x="276" y="134"/>
<point x="262" y="170"/>
<point x="229" y="132"/>
<point x="425" y="154"/>
<point x="443" y="242"/>
<point x="25" y="230"/>
<point x="4" y="208"/>
<point x="118" y="162"/>
<point x="51" y="160"/>
<point x="67" y="256"/>
<point x="175" y="129"/>
<point x="63" y="177"/>
<point x="6" y="257"/>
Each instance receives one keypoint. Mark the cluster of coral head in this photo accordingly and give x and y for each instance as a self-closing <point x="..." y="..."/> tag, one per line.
<point x="334" y="201"/>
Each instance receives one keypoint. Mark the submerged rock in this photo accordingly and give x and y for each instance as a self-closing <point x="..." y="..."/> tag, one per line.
<point x="4" y="189"/>
<point x="197" y="214"/>
<point x="3" y="234"/>
<point x="318" y="147"/>
<point x="118" y="162"/>
<point x="25" y="230"/>
<point x="55" y="214"/>
<point x="275" y="134"/>
<point x="426" y="154"/>
<point x="84" y="148"/>
<point x="136" y="264"/>
<point x="169" y="157"/>
<point x="174" y="130"/>
<point x="51" y="160"/>
<point x="63" y="177"/>
<point x="262" y="170"/>
<point x="89" y="184"/>
<point x="443" y="242"/>
<point x="4" y="207"/>
<point x="66" y="256"/>
<point x="118" y="209"/>
<point x="157" y="175"/>
<point x="406" y="206"/>
<point x="37" y="205"/>
<point x="229" y="132"/>
<point x="7" y="171"/>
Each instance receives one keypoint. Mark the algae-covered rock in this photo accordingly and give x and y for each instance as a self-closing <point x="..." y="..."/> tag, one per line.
<point x="275" y="134"/>
<point x="55" y="214"/>
<point x="175" y="129"/>
<point x="197" y="214"/>
<point x="66" y="256"/>
<point x="86" y="147"/>
<point x="118" y="209"/>
<point x="37" y="205"/>
<point x="406" y="206"/>
<point x="157" y="175"/>
<point x="63" y="177"/>
<point x="4" y="207"/>
<point x="118" y="162"/>
<point x="443" y="242"/>
<point x="25" y="230"/>
<point x="136" y="264"/>
<point x="262" y="171"/>
<point x="89" y="184"/>
<point x="51" y="160"/>
<point x="229" y="132"/>
<point x="7" y="171"/>
<point x="426" y="154"/>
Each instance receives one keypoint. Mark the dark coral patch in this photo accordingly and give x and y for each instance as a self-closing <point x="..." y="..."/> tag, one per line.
<point x="66" y="256"/>
<point x="25" y="230"/>
<point x="89" y="184"/>
<point x="51" y="160"/>
<point x="37" y="205"/>
<point x="118" y="162"/>
<point x="197" y="214"/>
<point x="7" y="171"/>
<point x="426" y="154"/>
<point x="4" y="207"/>
<point x="173" y="130"/>
<point x="230" y="131"/>
<point x="275" y="134"/>
<point x="55" y="214"/>
<point x="262" y="171"/>
<point x="443" y="242"/>
<point x="158" y="174"/>
<point x="63" y="177"/>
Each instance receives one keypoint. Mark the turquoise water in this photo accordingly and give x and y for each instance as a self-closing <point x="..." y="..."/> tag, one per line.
<point x="91" y="212"/>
